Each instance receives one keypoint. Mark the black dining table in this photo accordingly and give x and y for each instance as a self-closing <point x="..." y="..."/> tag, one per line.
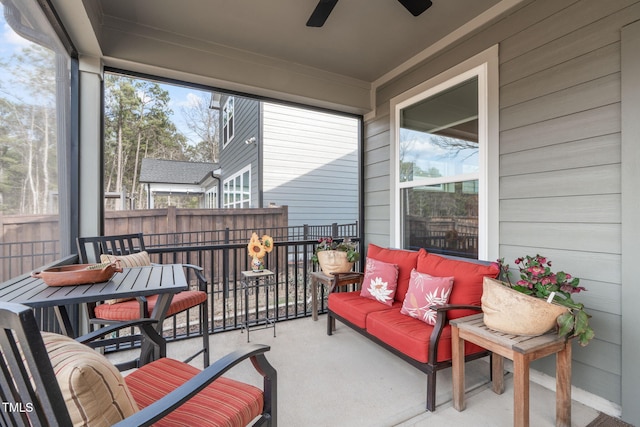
<point x="164" y="280"/>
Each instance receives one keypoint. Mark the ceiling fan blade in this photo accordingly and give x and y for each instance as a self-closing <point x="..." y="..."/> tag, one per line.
<point x="416" y="7"/>
<point x="321" y="13"/>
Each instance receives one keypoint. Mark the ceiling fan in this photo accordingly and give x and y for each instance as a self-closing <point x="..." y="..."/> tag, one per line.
<point x="324" y="8"/>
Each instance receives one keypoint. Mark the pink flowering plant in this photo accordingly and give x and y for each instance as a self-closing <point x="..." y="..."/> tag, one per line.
<point x="537" y="280"/>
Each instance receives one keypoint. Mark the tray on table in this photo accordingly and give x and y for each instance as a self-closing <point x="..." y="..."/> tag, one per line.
<point x="78" y="274"/>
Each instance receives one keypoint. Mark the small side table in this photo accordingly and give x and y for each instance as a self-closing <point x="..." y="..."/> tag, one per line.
<point x="522" y="350"/>
<point x="254" y="281"/>
<point x="336" y="279"/>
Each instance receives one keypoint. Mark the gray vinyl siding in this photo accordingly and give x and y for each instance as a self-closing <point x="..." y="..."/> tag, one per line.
<point x="630" y="101"/>
<point x="376" y="180"/>
<point x="311" y="164"/>
<point x="236" y="155"/>
<point x="560" y="156"/>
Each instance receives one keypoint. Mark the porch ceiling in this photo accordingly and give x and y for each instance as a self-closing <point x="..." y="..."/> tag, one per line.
<point x="362" y="39"/>
<point x="264" y="47"/>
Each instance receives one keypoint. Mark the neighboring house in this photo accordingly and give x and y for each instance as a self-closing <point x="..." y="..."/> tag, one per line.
<point x="273" y="154"/>
<point x="177" y="178"/>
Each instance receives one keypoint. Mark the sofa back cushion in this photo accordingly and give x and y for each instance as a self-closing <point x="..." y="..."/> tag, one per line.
<point x="468" y="278"/>
<point x="404" y="259"/>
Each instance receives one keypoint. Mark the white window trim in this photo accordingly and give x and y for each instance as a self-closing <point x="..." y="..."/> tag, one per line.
<point x="211" y="198"/>
<point x="225" y="129"/>
<point x="240" y="173"/>
<point x="485" y="65"/>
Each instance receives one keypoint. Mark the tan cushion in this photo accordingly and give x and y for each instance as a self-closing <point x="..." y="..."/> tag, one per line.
<point x="139" y="259"/>
<point x="94" y="390"/>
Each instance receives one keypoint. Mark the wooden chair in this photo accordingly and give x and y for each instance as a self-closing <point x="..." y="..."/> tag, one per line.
<point x="131" y="251"/>
<point x="48" y="379"/>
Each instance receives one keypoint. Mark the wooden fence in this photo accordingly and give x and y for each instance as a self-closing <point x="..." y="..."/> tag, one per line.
<point x="31" y="241"/>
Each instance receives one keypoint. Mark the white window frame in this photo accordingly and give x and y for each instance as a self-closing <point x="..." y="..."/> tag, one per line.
<point x="485" y="67"/>
<point x="229" y="188"/>
<point x="228" y="114"/>
<point x="211" y="198"/>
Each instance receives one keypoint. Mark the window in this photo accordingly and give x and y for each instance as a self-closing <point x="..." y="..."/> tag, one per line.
<point x="441" y="166"/>
<point x="237" y="190"/>
<point x="35" y="140"/>
<point x="228" y="125"/>
<point x="211" y="198"/>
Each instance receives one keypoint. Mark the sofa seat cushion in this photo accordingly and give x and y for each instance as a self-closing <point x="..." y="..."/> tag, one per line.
<point x="404" y="259"/>
<point x="468" y="278"/>
<point x="411" y="336"/>
<point x="225" y="402"/>
<point x="130" y="310"/>
<point x="354" y="308"/>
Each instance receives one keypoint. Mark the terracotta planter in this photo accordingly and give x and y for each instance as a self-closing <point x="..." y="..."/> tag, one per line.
<point x="78" y="274"/>
<point x="512" y="312"/>
<point x="334" y="262"/>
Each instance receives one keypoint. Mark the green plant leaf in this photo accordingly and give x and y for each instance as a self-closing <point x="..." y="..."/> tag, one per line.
<point x="582" y="322"/>
<point x="522" y="289"/>
<point x="565" y="323"/>
<point x="586" y="337"/>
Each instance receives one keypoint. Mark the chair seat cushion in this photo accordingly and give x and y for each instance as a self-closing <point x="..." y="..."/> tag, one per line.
<point x="411" y="336"/>
<point x="354" y="308"/>
<point x="130" y="310"/>
<point x="225" y="402"/>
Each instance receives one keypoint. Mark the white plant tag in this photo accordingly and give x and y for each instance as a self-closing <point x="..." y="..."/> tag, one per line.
<point x="551" y="295"/>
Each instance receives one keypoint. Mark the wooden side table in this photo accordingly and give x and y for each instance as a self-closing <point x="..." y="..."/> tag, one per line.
<point x="336" y="279"/>
<point x="522" y="350"/>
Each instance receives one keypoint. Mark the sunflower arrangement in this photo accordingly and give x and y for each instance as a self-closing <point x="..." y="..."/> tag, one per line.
<point x="257" y="248"/>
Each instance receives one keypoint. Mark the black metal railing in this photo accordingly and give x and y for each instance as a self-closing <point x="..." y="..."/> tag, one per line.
<point x="223" y="266"/>
<point x="16" y="258"/>
<point x="223" y="255"/>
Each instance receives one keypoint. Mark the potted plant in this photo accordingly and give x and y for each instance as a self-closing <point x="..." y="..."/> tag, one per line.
<point x="553" y="289"/>
<point x="335" y="256"/>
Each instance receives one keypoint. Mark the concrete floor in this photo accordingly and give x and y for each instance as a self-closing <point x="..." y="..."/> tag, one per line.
<point x="346" y="380"/>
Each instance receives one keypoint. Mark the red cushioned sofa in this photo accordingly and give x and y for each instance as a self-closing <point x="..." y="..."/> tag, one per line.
<point x="424" y="346"/>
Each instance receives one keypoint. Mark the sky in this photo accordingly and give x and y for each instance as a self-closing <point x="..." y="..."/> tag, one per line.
<point x="10" y="42"/>
<point x="181" y="97"/>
